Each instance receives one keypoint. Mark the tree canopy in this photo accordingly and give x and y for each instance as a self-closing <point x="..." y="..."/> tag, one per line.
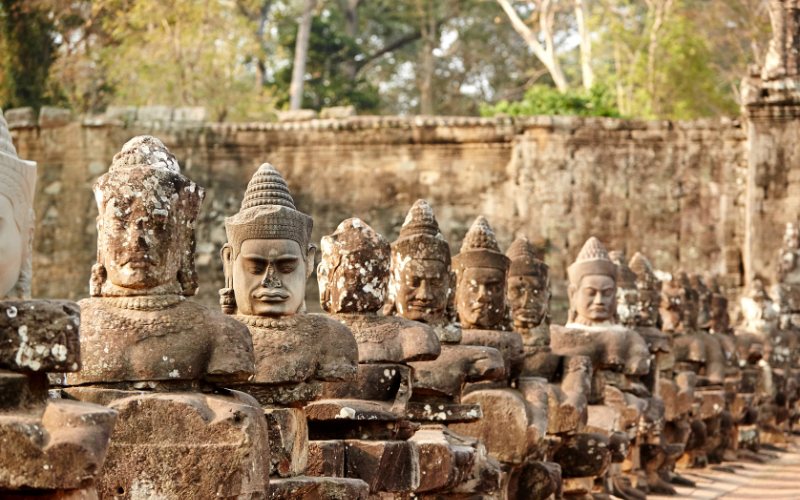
<point x="636" y="58"/>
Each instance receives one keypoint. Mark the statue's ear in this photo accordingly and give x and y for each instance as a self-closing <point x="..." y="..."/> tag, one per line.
<point x="311" y="254"/>
<point x="571" y="289"/>
<point x="226" y="253"/>
<point x="227" y="298"/>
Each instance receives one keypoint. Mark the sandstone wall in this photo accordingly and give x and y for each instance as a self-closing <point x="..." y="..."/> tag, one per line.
<point x="672" y="190"/>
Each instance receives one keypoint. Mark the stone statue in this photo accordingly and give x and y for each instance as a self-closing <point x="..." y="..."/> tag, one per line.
<point x="353" y="275"/>
<point x="783" y="54"/>
<point x="760" y="333"/>
<point x="638" y="297"/>
<point x="698" y="357"/>
<point x="581" y="456"/>
<point x="420" y="290"/>
<point x="481" y="270"/>
<point x="37" y="337"/>
<point x="620" y="357"/>
<point x="153" y="355"/>
<point x="267" y="260"/>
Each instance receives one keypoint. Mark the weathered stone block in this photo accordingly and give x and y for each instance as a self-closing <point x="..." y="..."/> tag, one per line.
<point x="337" y="112"/>
<point x="52" y="117"/>
<point x="288" y="441"/>
<point x="510" y="442"/>
<point x="326" y="458"/>
<point x="217" y="444"/>
<point x="384" y="465"/>
<point x="315" y="488"/>
<point x="21" y="118"/>
<point x="191" y="114"/>
<point x="443" y="463"/>
<point x="161" y="114"/>
<point x="299" y="115"/>
<point x="61" y="449"/>
<point x="39" y="335"/>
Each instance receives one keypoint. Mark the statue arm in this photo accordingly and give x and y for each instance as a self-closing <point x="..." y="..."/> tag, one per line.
<point x="231" y="358"/>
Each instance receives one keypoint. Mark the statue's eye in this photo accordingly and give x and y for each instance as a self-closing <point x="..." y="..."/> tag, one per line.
<point x="287" y="267"/>
<point x="254" y="267"/>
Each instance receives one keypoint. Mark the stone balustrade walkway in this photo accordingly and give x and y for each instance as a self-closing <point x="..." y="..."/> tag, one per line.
<point x="776" y="479"/>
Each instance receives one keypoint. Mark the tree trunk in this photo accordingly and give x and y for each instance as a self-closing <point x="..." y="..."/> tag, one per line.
<point x="300" y="56"/>
<point x="428" y="62"/>
<point x="545" y="54"/>
<point x="586" y="45"/>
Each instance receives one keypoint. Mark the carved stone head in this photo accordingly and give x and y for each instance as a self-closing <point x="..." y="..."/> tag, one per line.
<point x="480" y="278"/>
<point x="703" y="301"/>
<point x="528" y="287"/>
<point x="419" y="284"/>
<point x="649" y="287"/>
<point x="760" y="313"/>
<point x="673" y="304"/>
<point x="627" y="291"/>
<point x="268" y="256"/>
<point x="592" y="285"/>
<point x="691" y="303"/>
<point x="353" y="272"/>
<point x="720" y="319"/>
<point x="17" y="184"/>
<point x="145" y="227"/>
<point x="789" y="256"/>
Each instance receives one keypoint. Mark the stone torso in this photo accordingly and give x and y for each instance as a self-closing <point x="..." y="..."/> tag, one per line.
<point x="182" y="342"/>
<point x="390" y="339"/>
<point x="300" y="349"/>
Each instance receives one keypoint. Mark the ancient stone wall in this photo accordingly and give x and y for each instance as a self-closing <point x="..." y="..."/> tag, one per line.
<point x="672" y="190"/>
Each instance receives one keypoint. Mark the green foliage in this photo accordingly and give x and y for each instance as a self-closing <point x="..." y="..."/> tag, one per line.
<point x="545" y="100"/>
<point x="28" y="51"/>
<point x="328" y="82"/>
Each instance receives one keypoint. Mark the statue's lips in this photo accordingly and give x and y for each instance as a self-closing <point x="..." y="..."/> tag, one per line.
<point x="138" y="262"/>
<point x="271" y="296"/>
<point x="421" y="306"/>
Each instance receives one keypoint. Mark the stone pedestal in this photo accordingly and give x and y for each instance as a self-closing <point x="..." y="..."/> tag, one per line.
<point x="50" y="448"/>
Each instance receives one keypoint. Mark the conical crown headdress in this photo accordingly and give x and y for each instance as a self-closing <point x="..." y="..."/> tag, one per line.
<point x="420" y="237"/>
<point x="626" y="278"/>
<point x="645" y="276"/>
<point x="593" y="259"/>
<point x="524" y="259"/>
<point x="480" y="248"/>
<point x="268" y="213"/>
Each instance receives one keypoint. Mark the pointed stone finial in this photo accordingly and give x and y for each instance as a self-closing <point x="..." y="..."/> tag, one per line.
<point x="420" y="220"/>
<point x="267" y="187"/>
<point x="420" y="237"/>
<point x="592" y="259"/>
<point x="480" y="237"/>
<point x="480" y="248"/>
<point x="268" y="213"/>
<point x="524" y="261"/>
